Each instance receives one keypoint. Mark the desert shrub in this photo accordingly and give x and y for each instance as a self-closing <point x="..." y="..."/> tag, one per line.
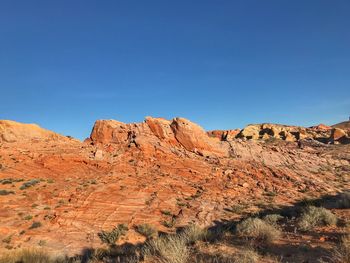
<point x="167" y="249"/>
<point x="316" y="216"/>
<point x="343" y="200"/>
<point x="29" y="184"/>
<point x="246" y="256"/>
<point x="6" y="181"/>
<point x="10" y="180"/>
<point x="342" y="253"/>
<point x="272" y="219"/>
<point x="50" y="181"/>
<point x="193" y="233"/>
<point x="169" y="223"/>
<point x="7" y="239"/>
<point x="237" y="209"/>
<point x="257" y="229"/>
<point x="166" y="212"/>
<point x="217" y="258"/>
<point x="6" y="192"/>
<point x="110" y="237"/>
<point x="35" y="225"/>
<point x="147" y="230"/>
<point x="42" y="243"/>
<point x="25" y="256"/>
<point x="28" y="217"/>
<point x="307" y="201"/>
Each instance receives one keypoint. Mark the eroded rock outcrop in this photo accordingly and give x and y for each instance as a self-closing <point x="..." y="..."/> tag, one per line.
<point x="339" y="136"/>
<point x="131" y="173"/>
<point x="158" y="132"/>
<point x="224" y="135"/>
<point x="11" y="131"/>
<point x="320" y="133"/>
<point x="195" y="139"/>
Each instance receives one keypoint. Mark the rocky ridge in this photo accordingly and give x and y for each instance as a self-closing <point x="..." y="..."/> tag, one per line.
<point x="132" y="173"/>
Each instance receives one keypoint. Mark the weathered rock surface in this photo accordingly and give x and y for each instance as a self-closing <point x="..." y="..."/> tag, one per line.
<point x="179" y="133"/>
<point x="345" y="125"/>
<point x="339" y="136"/>
<point x="130" y="173"/>
<point x="224" y="135"/>
<point x="266" y="131"/>
<point x="195" y="139"/>
<point x="11" y="131"/>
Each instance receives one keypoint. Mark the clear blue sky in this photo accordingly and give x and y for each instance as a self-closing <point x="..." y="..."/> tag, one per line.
<point x="222" y="64"/>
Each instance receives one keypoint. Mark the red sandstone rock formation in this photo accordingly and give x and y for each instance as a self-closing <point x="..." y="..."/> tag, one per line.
<point x="11" y="131"/>
<point x="129" y="173"/>
<point x="179" y="133"/>
<point x="224" y="135"/>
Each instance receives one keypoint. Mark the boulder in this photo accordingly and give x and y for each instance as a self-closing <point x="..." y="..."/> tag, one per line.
<point x="109" y="131"/>
<point x="193" y="138"/>
<point x="250" y="132"/>
<point x="321" y="127"/>
<point x="161" y="129"/>
<point x="337" y="135"/>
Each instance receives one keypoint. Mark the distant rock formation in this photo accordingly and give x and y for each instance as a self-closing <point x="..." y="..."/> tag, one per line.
<point x="11" y="131"/>
<point x="321" y="133"/>
<point x="179" y="132"/>
<point x="345" y="125"/>
<point x="132" y="173"/>
<point x="224" y="135"/>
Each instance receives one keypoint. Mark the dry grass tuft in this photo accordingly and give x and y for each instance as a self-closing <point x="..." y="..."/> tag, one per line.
<point x="26" y="256"/>
<point x="113" y="236"/>
<point x="257" y="229"/>
<point x="147" y="231"/>
<point x="194" y="233"/>
<point x="273" y="219"/>
<point x="167" y="249"/>
<point x="247" y="256"/>
<point x="316" y="216"/>
<point x="342" y="253"/>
